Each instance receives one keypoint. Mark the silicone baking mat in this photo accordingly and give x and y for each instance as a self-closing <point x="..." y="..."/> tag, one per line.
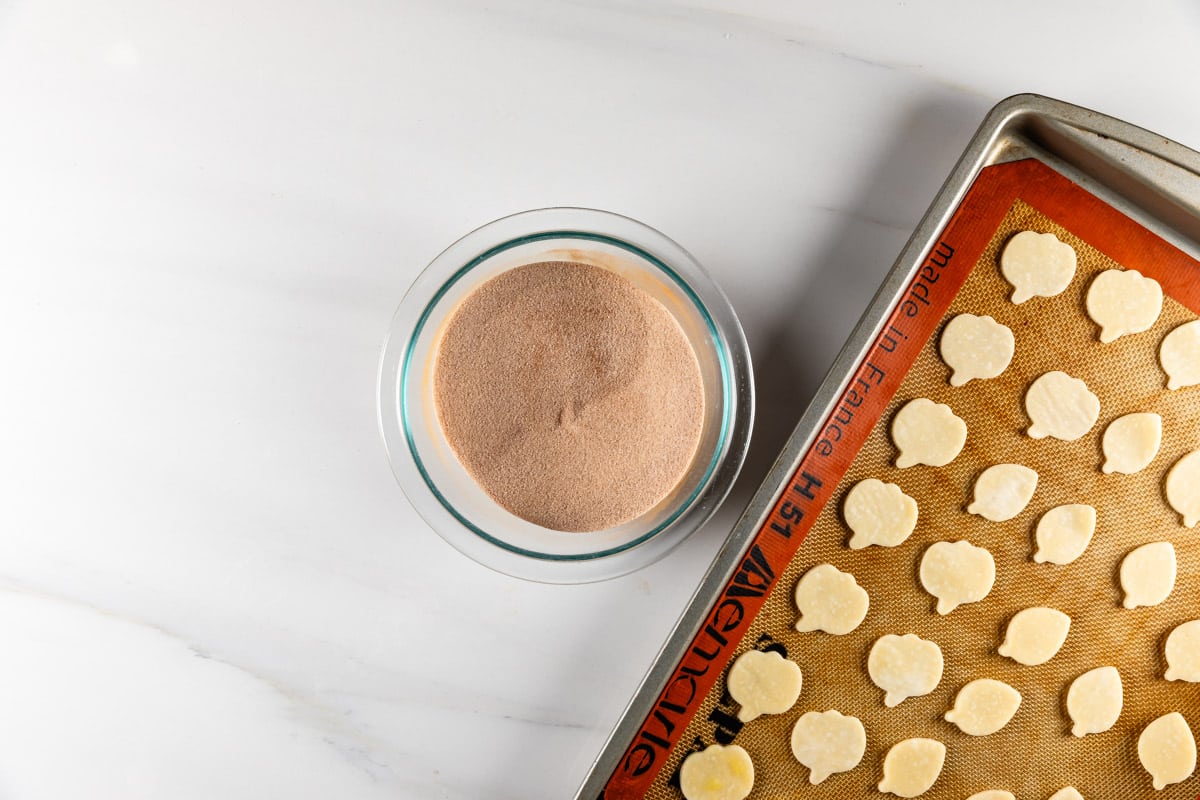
<point x="1035" y="754"/>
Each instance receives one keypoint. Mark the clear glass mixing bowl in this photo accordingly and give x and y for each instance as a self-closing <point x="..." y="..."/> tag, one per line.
<point x="440" y="488"/>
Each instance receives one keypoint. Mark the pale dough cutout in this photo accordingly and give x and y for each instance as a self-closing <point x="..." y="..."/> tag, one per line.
<point x="1167" y="750"/>
<point x="984" y="706"/>
<point x="912" y="766"/>
<point x="1183" y="653"/>
<point x="904" y="666"/>
<point x="1123" y="302"/>
<point x="879" y="513"/>
<point x="927" y="433"/>
<point x="1035" y="635"/>
<point x="1037" y="265"/>
<point x="957" y="573"/>
<point x="763" y="683"/>
<point x="1094" y="701"/>
<point x="1002" y="491"/>
<point x="828" y="742"/>
<point x="1131" y="442"/>
<point x="830" y="600"/>
<point x="1179" y="355"/>
<point x="992" y="794"/>
<point x="1183" y="488"/>
<point x="1060" y="406"/>
<point x="717" y="773"/>
<point x="1067" y="793"/>
<point x="976" y="348"/>
<point x="1064" y="532"/>
<point x="1148" y="574"/>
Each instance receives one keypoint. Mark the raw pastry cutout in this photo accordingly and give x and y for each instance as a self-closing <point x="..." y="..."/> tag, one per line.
<point x="1035" y="635"/>
<point x="927" y="433"/>
<point x="828" y="742"/>
<point x="879" y="513"/>
<point x="717" y="773"/>
<point x="957" y="573"/>
<point x="1123" y="302"/>
<point x="912" y="766"/>
<point x="763" y="683"/>
<point x="1064" y="532"/>
<point x="1002" y="491"/>
<point x="992" y="794"/>
<point x="1148" y="574"/>
<point x="976" y="348"/>
<point x="1067" y="793"/>
<point x="904" y="666"/>
<point x="1183" y="653"/>
<point x="1060" y="406"/>
<point x="1167" y="750"/>
<point x="1131" y="442"/>
<point x="1037" y="265"/>
<point x="1094" y="700"/>
<point x="1183" y="488"/>
<point x="984" y="706"/>
<point x="1179" y="355"/>
<point x="830" y="600"/>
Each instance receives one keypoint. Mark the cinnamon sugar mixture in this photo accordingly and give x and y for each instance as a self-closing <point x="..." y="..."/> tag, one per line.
<point x="570" y="395"/>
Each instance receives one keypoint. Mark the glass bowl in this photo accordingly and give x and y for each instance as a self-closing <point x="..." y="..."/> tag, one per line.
<point x="440" y="488"/>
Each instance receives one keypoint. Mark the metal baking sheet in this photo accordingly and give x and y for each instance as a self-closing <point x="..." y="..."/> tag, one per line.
<point x="1063" y="158"/>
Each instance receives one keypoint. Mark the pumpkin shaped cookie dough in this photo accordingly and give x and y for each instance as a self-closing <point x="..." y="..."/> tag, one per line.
<point x="830" y="600"/>
<point x="763" y="683"/>
<point x="912" y="766"/>
<point x="1037" y="265"/>
<point x="717" y="773"/>
<point x="878" y="513"/>
<point x="1123" y="301"/>
<point x="1179" y="355"/>
<point x="1060" y="406"/>
<point x="828" y="742"/>
<point x="904" y="666"/>
<point x="957" y="573"/>
<point x="976" y="348"/>
<point x="926" y="432"/>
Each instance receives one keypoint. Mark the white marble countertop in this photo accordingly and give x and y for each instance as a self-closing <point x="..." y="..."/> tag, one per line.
<point x="210" y="584"/>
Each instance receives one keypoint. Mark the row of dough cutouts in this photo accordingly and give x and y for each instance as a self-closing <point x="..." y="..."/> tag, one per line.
<point x="1120" y="302"/>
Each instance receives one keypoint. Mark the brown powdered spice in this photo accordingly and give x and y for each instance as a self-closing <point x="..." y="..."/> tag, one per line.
<point x="570" y="395"/>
